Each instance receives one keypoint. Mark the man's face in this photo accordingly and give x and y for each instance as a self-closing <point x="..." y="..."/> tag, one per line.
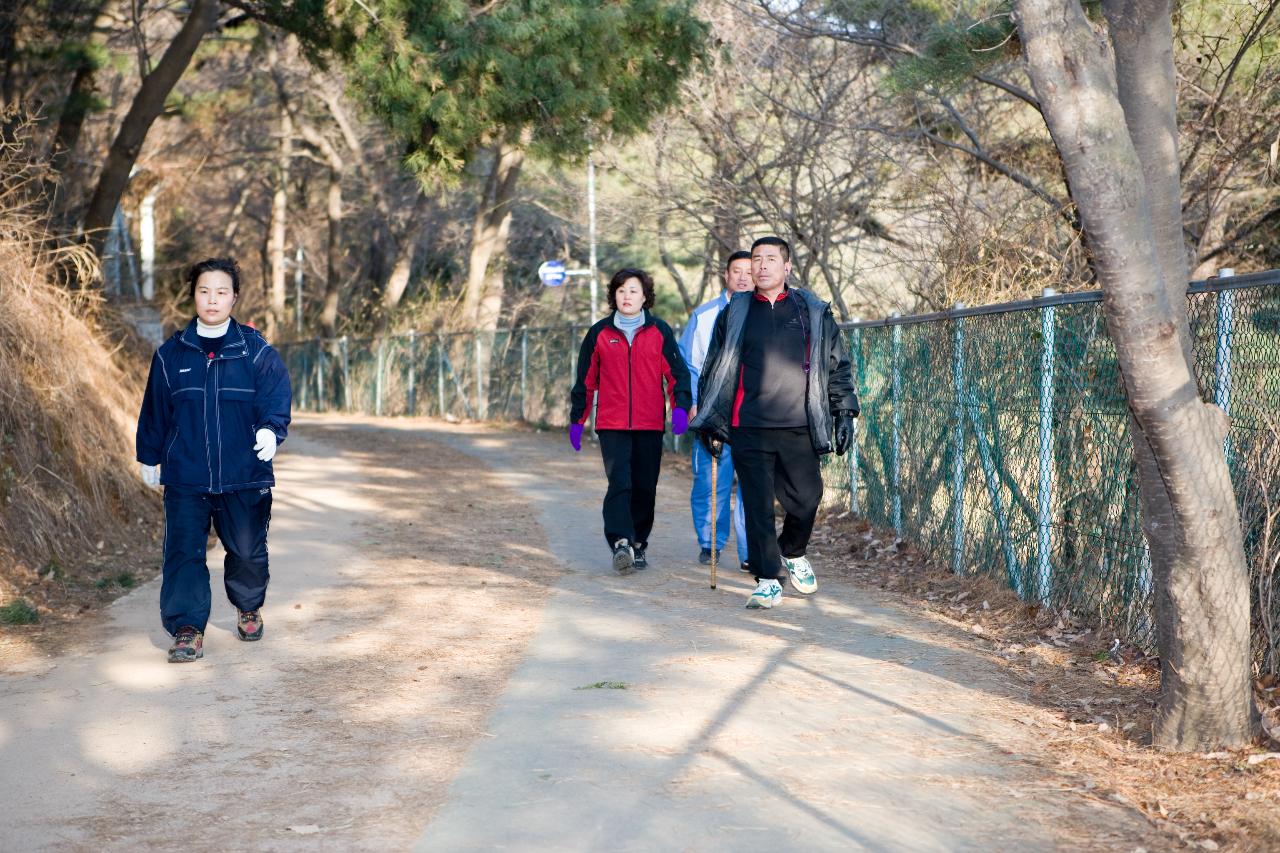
<point x="768" y="268"/>
<point x="215" y="297"/>
<point x="737" y="278"/>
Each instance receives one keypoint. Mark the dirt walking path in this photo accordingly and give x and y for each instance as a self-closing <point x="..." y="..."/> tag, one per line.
<point x="450" y="664"/>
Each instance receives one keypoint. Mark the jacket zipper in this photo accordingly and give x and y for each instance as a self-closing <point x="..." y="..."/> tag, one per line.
<point x="631" y="404"/>
<point x="208" y="459"/>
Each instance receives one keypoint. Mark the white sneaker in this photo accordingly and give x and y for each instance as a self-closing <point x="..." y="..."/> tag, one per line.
<point x="802" y="576"/>
<point x="767" y="594"/>
<point x="624" y="557"/>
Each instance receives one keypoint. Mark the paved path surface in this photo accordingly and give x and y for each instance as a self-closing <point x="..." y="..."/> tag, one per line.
<point x="825" y="724"/>
<point x="829" y="723"/>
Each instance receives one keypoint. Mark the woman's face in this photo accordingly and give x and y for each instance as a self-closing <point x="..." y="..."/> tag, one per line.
<point x="630" y="297"/>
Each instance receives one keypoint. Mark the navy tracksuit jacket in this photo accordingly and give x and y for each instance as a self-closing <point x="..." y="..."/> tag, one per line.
<point x="199" y="420"/>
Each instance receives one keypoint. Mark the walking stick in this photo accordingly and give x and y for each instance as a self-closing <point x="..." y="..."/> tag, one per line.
<point x="715" y="467"/>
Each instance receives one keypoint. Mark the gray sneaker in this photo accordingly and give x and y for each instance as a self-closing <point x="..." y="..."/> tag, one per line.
<point x="624" y="557"/>
<point x="802" y="577"/>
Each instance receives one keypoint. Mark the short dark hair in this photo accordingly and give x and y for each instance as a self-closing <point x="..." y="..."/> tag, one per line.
<point x="740" y="255"/>
<point x="620" y="278"/>
<point x="774" y="241"/>
<point x="226" y="265"/>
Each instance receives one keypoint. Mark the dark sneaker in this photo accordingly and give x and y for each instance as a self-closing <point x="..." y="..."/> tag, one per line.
<point x="641" y="562"/>
<point x="624" y="558"/>
<point x="745" y="568"/>
<point x="249" y="625"/>
<point x="188" y="645"/>
<point x="704" y="557"/>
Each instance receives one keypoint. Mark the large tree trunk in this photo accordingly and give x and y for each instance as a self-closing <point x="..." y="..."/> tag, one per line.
<point x="279" y="221"/>
<point x="75" y="109"/>
<point x="333" y="207"/>
<point x="146" y="107"/>
<point x="489" y="232"/>
<point x="1202" y="596"/>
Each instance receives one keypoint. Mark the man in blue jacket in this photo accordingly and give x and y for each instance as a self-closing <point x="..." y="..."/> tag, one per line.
<point x="693" y="346"/>
<point x="215" y="409"/>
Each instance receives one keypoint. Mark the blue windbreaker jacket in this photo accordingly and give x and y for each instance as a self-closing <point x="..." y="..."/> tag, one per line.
<point x="200" y="415"/>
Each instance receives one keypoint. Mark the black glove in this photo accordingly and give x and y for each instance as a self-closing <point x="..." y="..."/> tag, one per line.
<point x="844" y="431"/>
<point x="712" y="444"/>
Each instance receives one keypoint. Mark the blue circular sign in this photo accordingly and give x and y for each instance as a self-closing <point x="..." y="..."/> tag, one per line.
<point x="552" y="273"/>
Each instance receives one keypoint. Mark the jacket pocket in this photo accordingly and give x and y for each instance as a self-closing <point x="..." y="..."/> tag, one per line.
<point x="235" y="416"/>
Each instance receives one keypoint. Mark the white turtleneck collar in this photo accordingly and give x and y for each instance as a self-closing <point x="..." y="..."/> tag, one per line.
<point x="212" y="331"/>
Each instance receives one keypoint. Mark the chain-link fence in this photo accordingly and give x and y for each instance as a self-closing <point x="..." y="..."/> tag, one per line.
<point x="995" y="438"/>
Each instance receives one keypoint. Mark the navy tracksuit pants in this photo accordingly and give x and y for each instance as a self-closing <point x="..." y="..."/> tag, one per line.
<point x="241" y="519"/>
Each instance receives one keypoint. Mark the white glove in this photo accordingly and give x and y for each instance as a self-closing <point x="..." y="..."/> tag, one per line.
<point x="266" y="445"/>
<point x="150" y="474"/>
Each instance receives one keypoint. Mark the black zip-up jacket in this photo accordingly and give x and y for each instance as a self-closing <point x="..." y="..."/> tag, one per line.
<point x="829" y="380"/>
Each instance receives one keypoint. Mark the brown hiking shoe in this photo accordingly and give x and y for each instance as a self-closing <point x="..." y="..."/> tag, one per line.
<point x="188" y="645"/>
<point x="249" y="625"/>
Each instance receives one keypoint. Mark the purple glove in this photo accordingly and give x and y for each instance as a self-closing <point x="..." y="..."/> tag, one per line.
<point x="679" y="421"/>
<point x="575" y="437"/>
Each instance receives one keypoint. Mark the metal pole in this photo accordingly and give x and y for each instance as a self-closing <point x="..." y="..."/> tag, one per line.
<point x="897" y="428"/>
<point x="147" y="242"/>
<point x="524" y="372"/>
<point x="1222" y="354"/>
<point x="297" y="288"/>
<point x="413" y="372"/>
<point x="1044" y="498"/>
<point x="321" y="403"/>
<point x="480" y="403"/>
<point x="346" y="376"/>
<point x="591" y="230"/>
<point x="440" y="373"/>
<point x="377" y="379"/>
<point x="957" y="450"/>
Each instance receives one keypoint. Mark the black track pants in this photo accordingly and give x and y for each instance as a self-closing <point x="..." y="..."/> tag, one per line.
<point x="777" y="463"/>
<point x="632" y="460"/>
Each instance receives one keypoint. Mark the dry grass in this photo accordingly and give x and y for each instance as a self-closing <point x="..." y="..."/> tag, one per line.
<point x="70" y="385"/>
<point x="1100" y="695"/>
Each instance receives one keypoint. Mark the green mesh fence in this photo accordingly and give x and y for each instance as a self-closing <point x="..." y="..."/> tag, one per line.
<point x="995" y="438"/>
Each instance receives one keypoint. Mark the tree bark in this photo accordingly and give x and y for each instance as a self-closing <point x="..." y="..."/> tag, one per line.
<point x="279" y="222"/>
<point x="489" y="232"/>
<point x="75" y="108"/>
<point x="146" y="107"/>
<point x="1201" y="582"/>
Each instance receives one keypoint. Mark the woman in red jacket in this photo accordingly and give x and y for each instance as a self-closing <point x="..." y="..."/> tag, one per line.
<point x="630" y="362"/>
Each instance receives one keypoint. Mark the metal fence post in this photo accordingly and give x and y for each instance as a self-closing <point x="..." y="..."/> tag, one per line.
<point x="481" y="408"/>
<point x="1226" y="305"/>
<point x="957" y="449"/>
<point x="322" y="404"/>
<point x="524" y="372"/>
<point x="412" y="395"/>
<point x="440" y="372"/>
<point x="855" y="350"/>
<point x="305" y="388"/>
<point x="897" y="427"/>
<point x="346" y="375"/>
<point x="377" y="379"/>
<point x="1044" y="497"/>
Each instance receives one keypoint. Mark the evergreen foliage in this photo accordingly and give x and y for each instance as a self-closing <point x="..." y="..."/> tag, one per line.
<point x="446" y="78"/>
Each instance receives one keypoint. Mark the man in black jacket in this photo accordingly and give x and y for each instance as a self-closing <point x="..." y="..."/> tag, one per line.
<point x="776" y="385"/>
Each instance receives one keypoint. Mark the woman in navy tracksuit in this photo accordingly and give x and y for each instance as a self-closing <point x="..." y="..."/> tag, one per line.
<point x="215" y="408"/>
<point x="631" y="363"/>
